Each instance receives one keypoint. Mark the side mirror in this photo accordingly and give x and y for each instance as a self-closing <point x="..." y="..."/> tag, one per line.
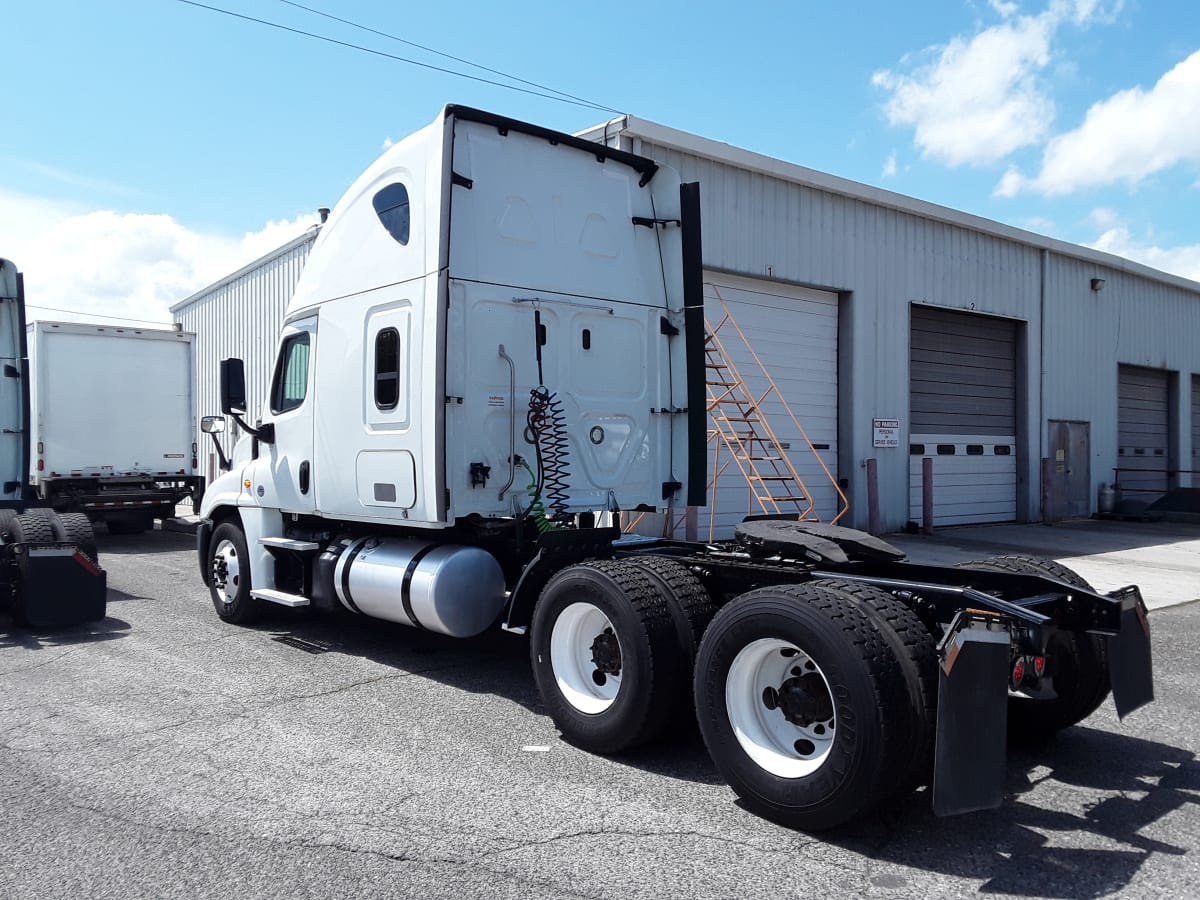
<point x="212" y="424"/>
<point x="233" y="387"/>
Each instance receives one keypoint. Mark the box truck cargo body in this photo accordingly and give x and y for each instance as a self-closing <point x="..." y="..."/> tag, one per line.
<point x="113" y="426"/>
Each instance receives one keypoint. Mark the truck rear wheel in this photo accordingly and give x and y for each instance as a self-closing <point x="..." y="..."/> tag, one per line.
<point x="916" y="655"/>
<point x="605" y="656"/>
<point x="33" y="526"/>
<point x="798" y="697"/>
<point x="1077" y="661"/>
<point x="230" y="581"/>
<point x="77" y="529"/>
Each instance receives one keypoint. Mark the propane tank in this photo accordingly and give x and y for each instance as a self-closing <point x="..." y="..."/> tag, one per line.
<point x="1107" y="502"/>
<point x="447" y="588"/>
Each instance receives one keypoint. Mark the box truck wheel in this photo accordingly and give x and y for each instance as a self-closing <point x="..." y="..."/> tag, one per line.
<point x="606" y="657"/>
<point x="1076" y="661"/>
<point x="799" y="697"/>
<point x="230" y="582"/>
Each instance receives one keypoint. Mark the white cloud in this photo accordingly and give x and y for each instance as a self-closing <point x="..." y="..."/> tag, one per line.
<point x="889" y="165"/>
<point x="1005" y="9"/>
<point x="1183" y="260"/>
<point x="1103" y="217"/>
<point x="1132" y="135"/>
<point x="980" y="98"/>
<point x="388" y="143"/>
<point x="132" y="265"/>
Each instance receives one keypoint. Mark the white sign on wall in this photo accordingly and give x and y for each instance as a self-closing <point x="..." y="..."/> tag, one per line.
<point x="887" y="433"/>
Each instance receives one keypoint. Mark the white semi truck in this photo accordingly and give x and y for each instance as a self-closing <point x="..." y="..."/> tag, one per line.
<point x="49" y="570"/>
<point x="496" y="349"/>
<point x="114" y="432"/>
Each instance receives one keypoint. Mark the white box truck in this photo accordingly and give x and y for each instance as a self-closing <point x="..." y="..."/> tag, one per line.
<point x="113" y="418"/>
<point x="495" y="349"/>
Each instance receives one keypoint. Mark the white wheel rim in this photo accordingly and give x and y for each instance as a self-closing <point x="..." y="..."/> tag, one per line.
<point x="227" y="586"/>
<point x="578" y="679"/>
<point x="779" y="746"/>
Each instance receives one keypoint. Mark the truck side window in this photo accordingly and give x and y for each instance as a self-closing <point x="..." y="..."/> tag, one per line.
<point x="291" y="374"/>
<point x="391" y="205"/>
<point x="387" y="368"/>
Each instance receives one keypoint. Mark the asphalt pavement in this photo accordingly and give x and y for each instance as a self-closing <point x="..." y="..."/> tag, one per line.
<point x="162" y="753"/>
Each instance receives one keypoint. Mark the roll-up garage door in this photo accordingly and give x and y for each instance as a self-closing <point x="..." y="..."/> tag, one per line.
<point x="1195" y="430"/>
<point x="794" y="332"/>
<point x="1143" y="425"/>
<point x="963" y="413"/>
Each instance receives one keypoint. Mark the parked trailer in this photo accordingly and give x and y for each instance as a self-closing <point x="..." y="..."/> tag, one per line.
<point x="113" y="422"/>
<point x="496" y="347"/>
<point x="49" y="569"/>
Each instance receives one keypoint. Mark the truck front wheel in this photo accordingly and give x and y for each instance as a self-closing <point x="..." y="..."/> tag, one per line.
<point x="230" y="582"/>
<point x="799" y="698"/>
<point x="605" y="656"/>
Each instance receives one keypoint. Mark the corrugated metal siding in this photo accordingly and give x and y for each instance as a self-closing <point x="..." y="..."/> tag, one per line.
<point x="241" y="318"/>
<point x="883" y="260"/>
<point x="1144" y="423"/>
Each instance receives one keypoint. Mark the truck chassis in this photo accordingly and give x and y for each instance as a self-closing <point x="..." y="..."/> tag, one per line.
<point x="827" y="674"/>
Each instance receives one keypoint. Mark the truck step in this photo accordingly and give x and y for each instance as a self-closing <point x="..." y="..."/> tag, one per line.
<point x="290" y="544"/>
<point x="279" y="597"/>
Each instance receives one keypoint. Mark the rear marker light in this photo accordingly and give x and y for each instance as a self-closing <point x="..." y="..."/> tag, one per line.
<point x="1018" y="672"/>
<point x="1039" y="666"/>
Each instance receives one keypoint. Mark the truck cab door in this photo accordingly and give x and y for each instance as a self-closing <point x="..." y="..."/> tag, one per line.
<point x="290" y="487"/>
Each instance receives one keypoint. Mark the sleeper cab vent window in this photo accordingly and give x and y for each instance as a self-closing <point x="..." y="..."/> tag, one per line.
<point x="391" y="205"/>
<point x="387" y="368"/>
<point x="291" y="374"/>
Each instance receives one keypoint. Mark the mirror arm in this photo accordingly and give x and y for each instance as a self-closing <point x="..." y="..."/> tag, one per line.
<point x="222" y="459"/>
<point x="265" y="433"/>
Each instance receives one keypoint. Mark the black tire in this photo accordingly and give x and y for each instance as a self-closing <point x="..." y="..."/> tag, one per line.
<point x="916" y="655"/>
<point x="650" y="668"/>
<point x="33" y="526"/>
<point x="689" y="601"/>
<point x="77" y="529"/>
<point x="6" y="520"/>
<point x="865" y="693"/>
<point x="692" y="608"/>
<point x="1077" y="662"/>
<point x="230" y="581"/>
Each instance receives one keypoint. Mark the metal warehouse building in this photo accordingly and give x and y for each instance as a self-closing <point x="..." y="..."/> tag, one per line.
<point x="900" y="332"/>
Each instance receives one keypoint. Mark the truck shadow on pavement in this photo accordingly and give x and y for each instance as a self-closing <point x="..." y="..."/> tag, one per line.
<point x="1083" y="847"/>
<point x="14" y="635"/>
<point x="138" y="544"/>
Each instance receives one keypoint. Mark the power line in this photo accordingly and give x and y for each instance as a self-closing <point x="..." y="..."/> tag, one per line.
<point x="79" y="312"/>
<point x="403" y="59"/>
<point x="467" y="62"/>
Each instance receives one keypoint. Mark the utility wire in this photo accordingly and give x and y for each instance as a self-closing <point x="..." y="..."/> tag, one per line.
<point x="79" y="312"/>
<point x="403" y="59"/>
<point x="467" y="62"/>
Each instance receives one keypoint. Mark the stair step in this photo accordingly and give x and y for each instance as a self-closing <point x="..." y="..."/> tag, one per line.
<point x="771" y="477"/>
<point x="283" y="599"/>
<point x="786" y="499"/>
<point x="722" y="383"/>
<point x="289" y="544"/>
<point x="758" y="458"/>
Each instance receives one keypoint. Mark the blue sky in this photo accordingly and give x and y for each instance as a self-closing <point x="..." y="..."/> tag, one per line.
<point x="152" y="146"/>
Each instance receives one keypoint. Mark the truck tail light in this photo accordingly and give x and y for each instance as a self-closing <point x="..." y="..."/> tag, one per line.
<point x="41" y="464"/>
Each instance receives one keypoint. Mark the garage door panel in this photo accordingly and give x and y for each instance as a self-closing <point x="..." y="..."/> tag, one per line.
<point x="1143" y="426"/>
<point x="794" y="333"/>
<point x="962" y="395"/>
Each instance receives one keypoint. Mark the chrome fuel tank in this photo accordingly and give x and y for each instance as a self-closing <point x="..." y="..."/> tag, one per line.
<point x="447" y="588"/>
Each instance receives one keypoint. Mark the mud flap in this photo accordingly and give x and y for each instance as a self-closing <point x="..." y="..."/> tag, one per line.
<point x="58" y="585"/>
<point x="1129" y="665"/>
<point x="972" y="719"/>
